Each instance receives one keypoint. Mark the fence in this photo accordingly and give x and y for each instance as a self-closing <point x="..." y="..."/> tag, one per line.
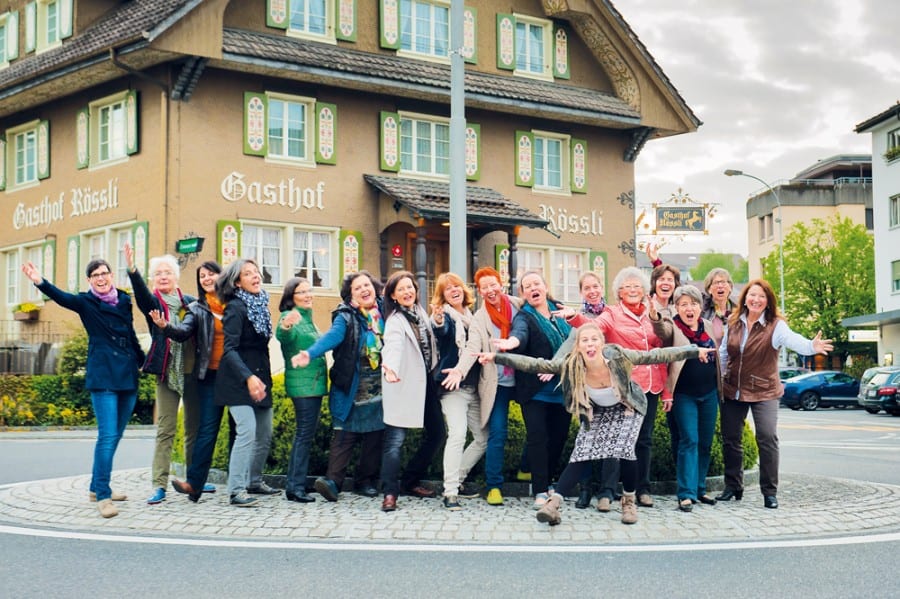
<point x="28" y="347"/>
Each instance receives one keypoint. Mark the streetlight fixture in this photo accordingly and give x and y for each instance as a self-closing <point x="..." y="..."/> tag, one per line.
<point x="736" y="173"/>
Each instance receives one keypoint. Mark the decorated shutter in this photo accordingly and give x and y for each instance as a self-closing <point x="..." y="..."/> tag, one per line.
<point x="65" y="19"/>
<point x="255" y="111"/>
<point x="48" y="259"/>
<point x="82" y="138"/>
<point x="597" y="265"/>
<point x="277" y="14"/>
<point x="73" y="263"/>
<point x="43" y="149"/>
<point x="524" y="158"/>
<point x="560" y="52"/>
<point x="132" y="121"/>
<point x="473" y="151"/>
<point x="470" y="35"/>
<point x="326" y="133"/>
<point x="140" y="241"/>
<point x="345" y="20"/>
<point x="389" y="12"/>
<point x="30" y="26"/>
<point x="12" y="35"/>
<point x="390" y="141"/>
<point x="501" y="263"/>
<point x="506" y="42"/>
<point x="228" y="241"/>
<point x="2" y="162"/>
<point x="578" y="161"/>
<point x="351" y="252"/>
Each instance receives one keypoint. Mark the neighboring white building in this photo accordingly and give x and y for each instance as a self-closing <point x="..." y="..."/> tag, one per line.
<point x="885" y="130"/>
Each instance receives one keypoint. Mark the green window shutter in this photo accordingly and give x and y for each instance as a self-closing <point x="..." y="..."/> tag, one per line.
<point x="578" y="162"/>
<point x="326" y="133"/>
<point x="525" y="158"/>
<point x="228" y="241"/>
<point x="2" y="163"/>
<point x="390" y="141"/>
<point x="73" y="263"/>
<point x="389" y="15"/>
<point x="277" y="14"/>
<point x="470" y="35"/>
<point x="473" y="152"/>
<point x="501" y="263"/>
<point x="48" y="259"/>
<point x="12" y="35"/>
<point x="65" y="19"/>
<point x="506" y="42"/>
<point x="560" y="52"/>
<point x="43" y="150"/>
<point x="82" y="138"/>
<point x="597" y="262"/>
<point x="351" y="252"/>
<point x="132" y="121"/>
<point x="255" y="112"/>
<point x="345" y="20"/>
<point x="30" y="26"/>
<point x="140" y="241"/>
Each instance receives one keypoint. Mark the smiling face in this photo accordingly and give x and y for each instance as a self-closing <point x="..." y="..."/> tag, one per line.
<point x="688" y="310"/>
<point x="101" y="279"/>
<point x="631" y="292"/>
<point x="590" y="343"/>
<point x="405" y="293"/>
<point x="362" y="292"/>
<point x="303" y="297"/>
<point x="665" y="285"/>
<point x="591" y="290"/>
<point x="249" y="280"/>
<point x="534" y="290"/>
<point x="454" y="295"/>
<point x="490" y="289"/>
<point x="208" y="279"/>
<point x="164" y="279"/>
<point x="756" y="300"/>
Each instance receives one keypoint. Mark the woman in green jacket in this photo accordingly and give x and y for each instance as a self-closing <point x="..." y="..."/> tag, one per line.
<point x="305" y="386"/>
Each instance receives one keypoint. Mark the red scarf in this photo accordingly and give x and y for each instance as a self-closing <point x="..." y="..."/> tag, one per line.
<point x="502" y="316"/>
<point x="637" y="309"/>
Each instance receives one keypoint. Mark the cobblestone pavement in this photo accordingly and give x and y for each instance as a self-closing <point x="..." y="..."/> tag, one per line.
<point x="811" y="506"/>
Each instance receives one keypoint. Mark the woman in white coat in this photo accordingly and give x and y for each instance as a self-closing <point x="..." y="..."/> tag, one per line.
<point x="409" y="393"/>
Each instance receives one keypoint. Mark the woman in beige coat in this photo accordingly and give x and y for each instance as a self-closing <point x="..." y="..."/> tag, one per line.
<point x="410" y="394"/>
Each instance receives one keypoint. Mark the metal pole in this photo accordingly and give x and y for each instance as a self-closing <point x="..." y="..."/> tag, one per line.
<point x="457" y="143"/>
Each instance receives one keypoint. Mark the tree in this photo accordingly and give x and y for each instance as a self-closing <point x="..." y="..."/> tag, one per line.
<point x="711" y="260"/>
<point x="829" y="275"/>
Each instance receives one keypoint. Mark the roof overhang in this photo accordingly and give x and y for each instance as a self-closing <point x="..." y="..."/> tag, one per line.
<point x="870" y="320"/>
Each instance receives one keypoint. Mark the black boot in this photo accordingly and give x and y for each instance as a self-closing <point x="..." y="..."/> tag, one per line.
<point x="584" y="497"/>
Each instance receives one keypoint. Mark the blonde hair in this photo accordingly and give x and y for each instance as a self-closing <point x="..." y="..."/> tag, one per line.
<point x="449" y="278"/>
<point x="574" y="373"/>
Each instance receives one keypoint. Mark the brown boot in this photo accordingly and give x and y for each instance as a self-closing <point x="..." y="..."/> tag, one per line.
<point x="549" y="512"/>
<point x="629" y="509"/>
<point x="107" y="509"/>
<point x="116" y="496"/>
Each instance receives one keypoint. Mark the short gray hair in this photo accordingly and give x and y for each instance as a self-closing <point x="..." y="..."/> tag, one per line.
<point x="164" y="260"/>
<point x="628" y="273"/>
<point x="688" y="290"/>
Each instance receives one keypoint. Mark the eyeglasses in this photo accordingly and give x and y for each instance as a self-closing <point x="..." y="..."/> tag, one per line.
<point x="164" y="273"/>
<point x="303" y="292"/>
<point x="715" y="283"/>
<point x="100" y="275"/>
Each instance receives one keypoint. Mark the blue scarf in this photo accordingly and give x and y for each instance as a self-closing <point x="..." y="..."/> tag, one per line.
<point x="556" y="330"/>
<point x="593" y="309"/>
<point x="257" y="310"/>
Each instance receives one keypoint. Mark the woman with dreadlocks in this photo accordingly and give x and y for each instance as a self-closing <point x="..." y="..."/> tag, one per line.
<point x="598" y="390"/>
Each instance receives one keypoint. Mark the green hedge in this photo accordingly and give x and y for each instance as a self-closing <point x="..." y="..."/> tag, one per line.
<point x="284" y="425"/>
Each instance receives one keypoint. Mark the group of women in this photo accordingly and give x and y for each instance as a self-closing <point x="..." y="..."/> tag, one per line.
<point x="451" y="373"/>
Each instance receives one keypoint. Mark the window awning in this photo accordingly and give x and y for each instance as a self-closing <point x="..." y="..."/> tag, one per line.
<point x="431" y="200"/>
<point x="879" y="319"/>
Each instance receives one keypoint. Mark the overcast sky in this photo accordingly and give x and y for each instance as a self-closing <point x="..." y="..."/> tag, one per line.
<point x="778" y="85"/>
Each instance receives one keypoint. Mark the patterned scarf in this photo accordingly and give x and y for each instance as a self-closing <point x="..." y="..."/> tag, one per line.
<point x="257" y="310"/>
<point x="173" y="303"/>
<point x="374" y="334"/>
<point x="556" y="330"/>
<point x="593" y="309"/>
<point x="699" y="337"/>
<point x="423" y="332"/>
<point x="502" y="316"/>
<point x="111" y="297"/>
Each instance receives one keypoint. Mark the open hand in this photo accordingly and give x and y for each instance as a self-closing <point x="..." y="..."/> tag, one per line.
<point x="158" y="319"/>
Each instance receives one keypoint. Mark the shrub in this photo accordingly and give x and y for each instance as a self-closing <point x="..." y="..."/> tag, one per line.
<point x="860" y="364"/>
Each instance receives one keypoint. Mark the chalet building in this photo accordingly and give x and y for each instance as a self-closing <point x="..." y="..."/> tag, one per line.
<point x="313" y="136"/>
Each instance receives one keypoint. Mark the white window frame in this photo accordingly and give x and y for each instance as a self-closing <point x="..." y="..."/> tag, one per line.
<point x="309" y="127"/>
<point x="893" y="139"/>
<point x="43" y="40"/>
<point x="541" y="167"/>
<point x="328" y="35"/>
<point x="413" y="120"/>
<point x="18" y="288"/>
<point x="119" y="135"/>
<point x="546" y="27"/>
<point x="895" y="277"/>
<point x="98" y="243"/>
<point x="894" y="211"/>
<point x="432" y="53"/>
<point x="4" y="40"/>
<point x="530" y="258"/>
<point x="282" y="252"/>
<point x="13" y="135"/>
<point x="567" y="266"/>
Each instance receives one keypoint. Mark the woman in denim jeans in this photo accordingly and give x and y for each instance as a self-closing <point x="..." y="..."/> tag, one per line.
<point x="305" y="386"/>
<point x="113" y="366"/>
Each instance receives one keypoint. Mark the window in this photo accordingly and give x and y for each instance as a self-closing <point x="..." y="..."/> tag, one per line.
<point x="551" y="162"/>
<point x="762" y="228"/>
<point x="18" y="288"/>
<point x="425" y="27"/>
<point x="548" y="162"/>
<point x="111" y="132"/>
<point x="106" y="130"/>
<point x="9" y="37"/>
<point x="766" y="228"/>
<point x="895" y="276"/>
<point x="51" y="19"/>
<point x="567" y="268"/>
<point x="424" y="146"/>
<point x="529" y="259"/>
<point x="310" y="17"/>
<point x="893" y="140"/>
<point x="311" y="251"/>
<point x="894" y="211"/>
<point x="532" y="41"/>
<point x="289" y="129"/>
<point x="47" y="23"/>
<point x="532" y="47"/>
<point x="27" y="150"/>
<point x="108" y="244"/>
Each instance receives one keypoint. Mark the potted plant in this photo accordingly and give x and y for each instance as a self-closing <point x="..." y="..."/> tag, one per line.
<point x="892" y="153"/>
<point x="26" y="311"/>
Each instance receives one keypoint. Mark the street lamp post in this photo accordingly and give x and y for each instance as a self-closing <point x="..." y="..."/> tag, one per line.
<point x="736" y="173"/>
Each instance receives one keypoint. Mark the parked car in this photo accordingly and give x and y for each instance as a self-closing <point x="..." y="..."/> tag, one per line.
<point x="881" y="392"/>
<point x="821" y="388"/>
<point x="787" y="372"/>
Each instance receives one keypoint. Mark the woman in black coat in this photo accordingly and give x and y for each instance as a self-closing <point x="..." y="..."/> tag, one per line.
<point x="244" y="381"/>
